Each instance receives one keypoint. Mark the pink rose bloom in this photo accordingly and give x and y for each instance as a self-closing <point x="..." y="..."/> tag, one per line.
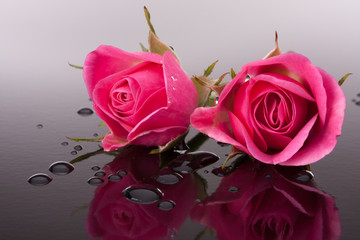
<point x="260" y="201"/>
<point x="289" y="112"/>
<point x="112" y="216"/>
<point x="144" y="98"/>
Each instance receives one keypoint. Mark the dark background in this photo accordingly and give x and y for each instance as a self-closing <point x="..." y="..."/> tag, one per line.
<point x="38" y="39"/>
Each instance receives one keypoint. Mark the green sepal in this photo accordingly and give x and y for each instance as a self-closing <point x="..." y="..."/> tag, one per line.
<point x="75" y="66"/>
<point x="210" y="68"/>
<point x="170" y="144"/>
<point x="96" y="139"/>
<point x="276" y="51"/>
<point x="147" y="16"/>
<point x="143" y="48"/>
<point x="342" y="80"/>
<point x="102" y="124"/>
<point x="232" y="73"/>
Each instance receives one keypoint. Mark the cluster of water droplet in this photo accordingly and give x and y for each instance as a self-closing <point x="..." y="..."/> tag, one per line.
<point x="57" y="168"/>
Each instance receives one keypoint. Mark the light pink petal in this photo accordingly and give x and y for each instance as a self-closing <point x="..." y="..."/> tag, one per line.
<point x="181" y="92"/>
<point x="107" y="60"/>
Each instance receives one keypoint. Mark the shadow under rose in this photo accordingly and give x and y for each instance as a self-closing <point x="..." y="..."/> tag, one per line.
<point x="260" y="201"/>
<point x="113" y="216"/>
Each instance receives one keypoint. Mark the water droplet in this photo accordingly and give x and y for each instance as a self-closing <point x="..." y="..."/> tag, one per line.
<point x="94" y="181"/>
<point x="304" y="176"/>
<point x="73" y="152"/>
<point x="64" y="143"/>
<point x="78" y="148"/>
<point x="95" y="168"/>
<point x="354" y="100"/>
<point x="96" y="135"/>
<point x="173" y="88"/>
<point x="358" y="95"/>
<point x="268" y="176"/>
<point x="166" y="205"/>
<point x="100" y="174"/>
<point x="233" y="189"/>
<point x="61" y="168"/>
<point x="85" y="112"/>
<point x="142" y="195"/>
<point x="169" y="101"/>
<point x="39" y="126"/>
<point x="114" y="178"/>
<point x="357" y="103"/>
<point x="39" y="179"/>
<point x="216" y="100"/>
<point x="121" y="173"/>
<point x="168" y="179"/>
<point x="173" y="78"/>
<point x="183" y="167"/>
<point x="206" y="171"/>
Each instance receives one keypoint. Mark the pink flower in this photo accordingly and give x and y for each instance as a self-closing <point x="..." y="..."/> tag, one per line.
<point x="289" y="112"/>
<point x="144" y="98"/>
<point x="112" y="216"/>
<point x="261" y="201"/>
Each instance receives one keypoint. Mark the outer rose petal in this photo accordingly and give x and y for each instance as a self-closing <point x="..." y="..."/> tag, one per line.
<point x="107" y="60"/>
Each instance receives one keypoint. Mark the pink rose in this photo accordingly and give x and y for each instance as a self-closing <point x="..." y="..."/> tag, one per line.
<point x="144" y="98"/>
<point x="112" y="216"/>
<point x="261" y="201"/>
<point x="289" y="112"/>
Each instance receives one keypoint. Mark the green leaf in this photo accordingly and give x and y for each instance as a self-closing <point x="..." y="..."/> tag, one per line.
<point x="342" y="80"/>
<point x="210" y="68"/>
<point x="170" y="144"/>
<point x="147" y="16"/>
<point x="143" y="48"/>
<point x="96" y="139"/>
<point x="232" y="73"/>
<point x="75" y="66"/>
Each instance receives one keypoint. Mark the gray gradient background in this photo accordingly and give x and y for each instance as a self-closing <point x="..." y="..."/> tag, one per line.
<point x="38" y="38"/>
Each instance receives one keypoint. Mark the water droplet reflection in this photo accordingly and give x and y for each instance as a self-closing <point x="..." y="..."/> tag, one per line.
<point x="114" y="178"/>
<point x="166" y="205"/>
<point x="85" y="112"/>
<point x="168" y="179"/>
<point x="142" y="195"/>
<point x="39" y="126"/>
<point x="304" y="176"/>
<point x="61" y="168"/>
<point x="121" y="173"/>
<point x="94" y="181"/>
<point x="233" y="189"/>
<point x="39" y="179"/>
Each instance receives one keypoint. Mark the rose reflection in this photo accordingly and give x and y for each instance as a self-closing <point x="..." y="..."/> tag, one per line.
<point x="113" y="216"/>
<point x="259" y="201"/>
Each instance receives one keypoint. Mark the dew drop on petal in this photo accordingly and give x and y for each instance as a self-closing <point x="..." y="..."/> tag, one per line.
<point x="61" y="168"/>
<point x="39" y="179"/>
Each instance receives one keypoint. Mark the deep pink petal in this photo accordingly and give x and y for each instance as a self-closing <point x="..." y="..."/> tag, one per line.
<point x="181" y="92"/>
<point x="107" y="60"/>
